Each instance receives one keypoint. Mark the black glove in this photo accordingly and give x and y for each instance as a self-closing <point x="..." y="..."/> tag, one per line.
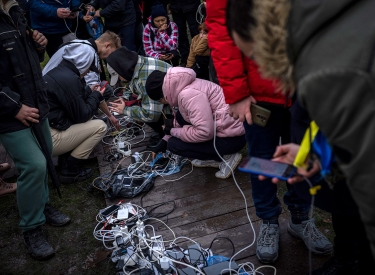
<point x="160" y="147"/>
<point x="167" y="131"/>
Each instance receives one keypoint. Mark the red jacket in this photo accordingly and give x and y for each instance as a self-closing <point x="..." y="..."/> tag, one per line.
<point x="237" y="74"/>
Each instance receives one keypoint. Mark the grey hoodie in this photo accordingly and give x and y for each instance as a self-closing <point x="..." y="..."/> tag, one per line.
<point x="81" y="54"/>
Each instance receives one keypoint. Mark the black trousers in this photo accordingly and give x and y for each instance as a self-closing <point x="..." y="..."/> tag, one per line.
<point x="54" y="42"/>
<point x="180" y="18"/>
<point x="350" y="243"/>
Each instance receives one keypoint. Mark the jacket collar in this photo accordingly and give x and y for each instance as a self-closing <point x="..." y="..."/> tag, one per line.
<point x="283" y="29"/>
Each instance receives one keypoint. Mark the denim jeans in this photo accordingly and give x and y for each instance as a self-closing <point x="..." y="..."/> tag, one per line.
<point x="262" y="143"/>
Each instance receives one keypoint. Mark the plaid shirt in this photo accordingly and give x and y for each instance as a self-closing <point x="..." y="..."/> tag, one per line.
<point x="162" y="43"/>
<point x="150" y="110"/>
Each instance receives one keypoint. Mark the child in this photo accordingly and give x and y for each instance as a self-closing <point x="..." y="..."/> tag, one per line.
<point x="202" y="119"/>
<point x="160" y="36"/>
<point x="199" y="53"/>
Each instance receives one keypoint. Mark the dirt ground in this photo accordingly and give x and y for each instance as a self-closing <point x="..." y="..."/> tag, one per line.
<point x="77" y="251"/>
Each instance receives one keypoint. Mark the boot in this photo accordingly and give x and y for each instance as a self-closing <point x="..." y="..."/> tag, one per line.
<point x="37" y="245"/>
<point x="72" y="172"/>
<point x="6" y="188"/>
<point x="54" y="217"/>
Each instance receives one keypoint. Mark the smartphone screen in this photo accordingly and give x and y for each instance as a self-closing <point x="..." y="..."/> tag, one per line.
<point x="267" y="167"/>
<point x="108" y="211"/>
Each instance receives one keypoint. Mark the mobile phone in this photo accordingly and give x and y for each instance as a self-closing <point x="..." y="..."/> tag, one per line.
<point x="109" y="210"/>
<point x="103" y="84"/>
<point x="168" y="54"/>
<point x="259" y="115"/>
<point x="268" y="168"/>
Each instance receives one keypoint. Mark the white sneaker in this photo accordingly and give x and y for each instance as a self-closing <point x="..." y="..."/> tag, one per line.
<point x="205" y="163"/>
<point x="226" y="168"/>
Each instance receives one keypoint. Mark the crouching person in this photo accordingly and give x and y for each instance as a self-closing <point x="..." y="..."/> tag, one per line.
<point x="201" y="123"/>
<point x="72" y="107"/>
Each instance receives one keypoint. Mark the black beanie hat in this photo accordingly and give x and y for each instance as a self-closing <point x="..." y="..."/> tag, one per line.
<point x="123" y="62"/>
<point x="158" y="10"/>
<point x="154" y="85"/>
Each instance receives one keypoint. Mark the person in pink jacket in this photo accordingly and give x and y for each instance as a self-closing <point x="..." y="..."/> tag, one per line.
<point x="201" y="123"/>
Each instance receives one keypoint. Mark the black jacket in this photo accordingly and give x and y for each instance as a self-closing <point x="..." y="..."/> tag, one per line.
<point x="70" y="101"/>
<point x="117" y="13"/>
<point x="184" y="5"/>
<point x="21" y="80"/>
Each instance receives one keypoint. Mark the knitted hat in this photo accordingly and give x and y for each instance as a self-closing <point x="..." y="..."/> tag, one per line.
<point x="123" y="62"/>
<point x="154" y="85"/>
<point x="158" y="10"/>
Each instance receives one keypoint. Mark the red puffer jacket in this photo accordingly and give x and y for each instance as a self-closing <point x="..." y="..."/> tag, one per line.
<point x="237" y="74"/>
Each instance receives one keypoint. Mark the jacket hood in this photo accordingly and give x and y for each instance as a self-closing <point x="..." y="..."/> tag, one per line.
<point x="8" y="4"/>
<point x="152" y="25"/>
<point x="175" y="81"/>
<point x="283" y="28"/>
<point x="82" y="60"/>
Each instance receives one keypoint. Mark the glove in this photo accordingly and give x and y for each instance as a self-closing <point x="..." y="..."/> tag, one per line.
<point x="167" y="131"/>
<point x="160" y="147"/>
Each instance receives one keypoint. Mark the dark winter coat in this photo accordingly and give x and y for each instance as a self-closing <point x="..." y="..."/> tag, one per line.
<point x="21" y="80"/>
<point x="70" y="101"/>
<point x="117" y="13"/>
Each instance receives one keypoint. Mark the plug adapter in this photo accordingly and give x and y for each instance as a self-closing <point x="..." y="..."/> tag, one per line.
<point x="164" y="263"/>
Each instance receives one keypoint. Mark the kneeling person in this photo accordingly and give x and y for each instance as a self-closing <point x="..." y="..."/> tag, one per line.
<point x="72" y="107"/>
<point x="202" y="114"/>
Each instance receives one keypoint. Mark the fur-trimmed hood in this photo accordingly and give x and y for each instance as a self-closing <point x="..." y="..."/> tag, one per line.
<point x="8" y="4"/>
<point x="283" y="28"/>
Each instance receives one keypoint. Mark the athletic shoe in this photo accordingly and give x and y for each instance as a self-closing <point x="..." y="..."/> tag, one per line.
<point x="205" y="163"/>
<point x="268" y="243"/>
<point x="315" y="241"/>
<point x="226" y="168"/>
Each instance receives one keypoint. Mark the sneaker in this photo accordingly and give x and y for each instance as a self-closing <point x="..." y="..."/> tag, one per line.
<point x="75" y="175"/>
<point x="315" y="241"/>
<point x="268" y="243"/>
<point x="37" y="245"/>
<point x="226" y="170"/>
<point x="54" y="217"/>
<point x="205" y="163"/>
<point x="336" y="266"/>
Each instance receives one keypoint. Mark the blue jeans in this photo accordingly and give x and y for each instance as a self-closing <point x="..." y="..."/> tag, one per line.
<point x="262" y="143"/>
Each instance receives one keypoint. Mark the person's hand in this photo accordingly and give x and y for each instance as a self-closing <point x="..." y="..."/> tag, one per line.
<point x="115" y="122"/>
<point x="241" y="109"/>
<point x="63" y="13"/>
<point x="163" y="57"/>
<point x="87" y="18"/>
<point x="117" y="106"/>
<point x="167" y="130"/>
<point x="73" y="15"/>
<point x="40" y="38"/>
<point x="287" y="154"/>
<point x="162" y="28"/>
<point x="97" y="87"/>
<point x="28" y="114"/>
<point x="97" y="13"/>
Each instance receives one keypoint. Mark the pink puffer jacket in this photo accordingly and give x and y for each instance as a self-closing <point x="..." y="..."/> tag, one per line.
<point x="198" y="100"/>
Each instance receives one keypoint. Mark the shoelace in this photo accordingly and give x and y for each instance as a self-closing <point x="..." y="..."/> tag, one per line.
<point x="311" y="229"/>
<point x="267" y="237"/>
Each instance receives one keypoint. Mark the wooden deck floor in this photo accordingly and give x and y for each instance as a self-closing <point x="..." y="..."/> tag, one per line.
<point x="207" y="208"/>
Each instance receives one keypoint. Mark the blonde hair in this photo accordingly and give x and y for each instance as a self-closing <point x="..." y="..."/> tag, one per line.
<point x="110" y="37"/>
